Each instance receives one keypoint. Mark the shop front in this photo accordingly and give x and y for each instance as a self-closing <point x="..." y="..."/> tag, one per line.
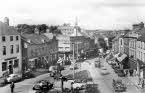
<point x="122" y="62"/>
<point x="141" y="71"/>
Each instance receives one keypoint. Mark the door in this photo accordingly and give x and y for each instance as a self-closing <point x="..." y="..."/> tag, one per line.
<point x="10" y="69"/>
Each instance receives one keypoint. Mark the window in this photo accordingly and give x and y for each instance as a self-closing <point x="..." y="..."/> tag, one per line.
<point x="3" y="38"/>
<point x="60" y="47"/>
<point x="16" y="63"/>
<point x="11" y="38"/>
<point x="12" y="49"/>
<point x="17" y="48"/>
<point x="17" y="37"/>
<point x="66" y="48"/>
<point x="4" y="66"/>
<point x="4" y="50"/>
<point x="121" y="42"/>
<point x="140" y="45"/>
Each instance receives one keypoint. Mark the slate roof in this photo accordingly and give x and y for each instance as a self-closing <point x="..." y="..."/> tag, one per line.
<point x="35" y="38"/>
<point x="142" y="38"/>
<point x="117" y="37"/>
<point x="7" y="30"/>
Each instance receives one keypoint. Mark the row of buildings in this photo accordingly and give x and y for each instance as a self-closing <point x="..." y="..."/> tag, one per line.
<point x="20" y="52"/>
<point x="129" y="49"/>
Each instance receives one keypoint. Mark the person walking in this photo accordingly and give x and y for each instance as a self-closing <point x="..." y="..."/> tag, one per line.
<point x="12" y="86"/>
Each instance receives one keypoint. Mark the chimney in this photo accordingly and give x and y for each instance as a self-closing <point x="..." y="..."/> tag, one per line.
<point x="6" y="20"/>
<point x="36" y="31"/>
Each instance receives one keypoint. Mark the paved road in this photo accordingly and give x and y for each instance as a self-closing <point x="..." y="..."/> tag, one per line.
<point x="105" y="81"/>
<point x="26" y="85"/>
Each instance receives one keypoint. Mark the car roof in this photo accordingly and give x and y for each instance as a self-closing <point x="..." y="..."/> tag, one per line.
<point x="12" y="75"/>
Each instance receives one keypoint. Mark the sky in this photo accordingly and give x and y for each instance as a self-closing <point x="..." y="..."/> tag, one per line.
<point x="91" y="14"/>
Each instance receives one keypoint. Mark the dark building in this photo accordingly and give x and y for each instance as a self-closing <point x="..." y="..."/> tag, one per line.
<point x="38" y="51"/>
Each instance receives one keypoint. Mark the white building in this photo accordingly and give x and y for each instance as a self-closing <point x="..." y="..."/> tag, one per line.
<point x="64" y="46"/>
<point x="10" y="49"/>
<point x="66" y="29"/>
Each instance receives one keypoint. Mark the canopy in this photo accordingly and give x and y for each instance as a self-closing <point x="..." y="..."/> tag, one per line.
<point x="122" y="57"/>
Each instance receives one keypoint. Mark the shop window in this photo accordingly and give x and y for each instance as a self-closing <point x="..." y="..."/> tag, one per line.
<point x="16" y="63"/>
<point x="4" y="66"/>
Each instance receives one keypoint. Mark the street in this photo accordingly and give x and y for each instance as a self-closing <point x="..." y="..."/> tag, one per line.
<point x="26" y="85"/>
<point x="104" y="81"/>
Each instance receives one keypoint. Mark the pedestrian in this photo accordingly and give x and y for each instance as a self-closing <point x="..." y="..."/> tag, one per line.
<point x="126" y="72"/>
<point x="131" y="72"/>
<point x="12" y="86"/>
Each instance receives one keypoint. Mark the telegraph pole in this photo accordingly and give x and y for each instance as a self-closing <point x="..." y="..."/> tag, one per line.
<point x="77" y="51"/>
<point x="73" y="60"/>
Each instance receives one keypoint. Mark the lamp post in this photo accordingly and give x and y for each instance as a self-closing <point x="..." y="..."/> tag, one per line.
<point x="73" y="61"/>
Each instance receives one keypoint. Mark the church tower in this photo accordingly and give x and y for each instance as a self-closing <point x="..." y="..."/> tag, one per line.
<point x="6" y="20"/>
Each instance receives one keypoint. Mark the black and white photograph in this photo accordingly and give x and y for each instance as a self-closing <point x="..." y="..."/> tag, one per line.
<point x="72" y="46"/>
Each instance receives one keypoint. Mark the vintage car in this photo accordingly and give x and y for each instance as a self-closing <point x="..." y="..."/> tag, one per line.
<point x="13" y="78"/>
<point x="42" y="85"/>
<point x="104" y="71"/>
<point x="118" y="85"/>
<point x="79" y="84"/>
<point x="28" y="74"/>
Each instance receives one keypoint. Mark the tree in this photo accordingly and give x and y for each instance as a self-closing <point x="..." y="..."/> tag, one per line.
<point x="54" y="30"/>
<point x="42" y="28"/>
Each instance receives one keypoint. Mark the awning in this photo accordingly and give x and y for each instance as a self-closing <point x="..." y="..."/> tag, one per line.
<point x="122" y="57"/>
<point x="110" y="57"/>
<point x="32" y="59"/>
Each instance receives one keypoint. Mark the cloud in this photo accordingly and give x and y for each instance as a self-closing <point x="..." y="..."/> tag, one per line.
<point x="92" y="14"/>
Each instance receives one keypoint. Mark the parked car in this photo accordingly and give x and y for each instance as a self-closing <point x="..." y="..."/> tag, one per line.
<point x="13" y="78"/>
<point x="78" y="84"/>
<point x="104" y="71"/>
<point x="2" y="82"/>
<point x="42" y="85"/>
<point x="119" y="86"/>
<point x="28" y="74"/>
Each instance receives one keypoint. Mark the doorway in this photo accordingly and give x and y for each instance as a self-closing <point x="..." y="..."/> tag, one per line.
<point x="10" y="69"/>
